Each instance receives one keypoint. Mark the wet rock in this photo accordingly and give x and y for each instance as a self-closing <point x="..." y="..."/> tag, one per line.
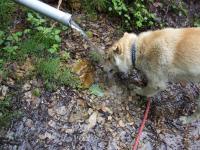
<point x="25" y="145"/>
<point x="52" y="124"/>
<point x="51" y="112"/>
<point x="61" y="110"/>
<point x="146" y="146"/>
<point x="29" y="123"/>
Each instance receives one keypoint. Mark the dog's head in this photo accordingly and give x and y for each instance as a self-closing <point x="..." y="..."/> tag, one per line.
<point x="118" y="56"/>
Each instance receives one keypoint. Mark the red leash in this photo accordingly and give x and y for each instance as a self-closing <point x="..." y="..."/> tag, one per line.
<point x="142" y="125"/>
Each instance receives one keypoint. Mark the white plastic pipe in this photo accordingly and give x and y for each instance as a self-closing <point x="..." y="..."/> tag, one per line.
<point x="47" y="10"/>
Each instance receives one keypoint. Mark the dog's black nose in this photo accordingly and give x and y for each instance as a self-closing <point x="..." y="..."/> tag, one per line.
<point x="111" y="71"/>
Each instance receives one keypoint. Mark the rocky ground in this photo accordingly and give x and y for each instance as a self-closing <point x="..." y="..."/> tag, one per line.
<point x="71" y="119"/>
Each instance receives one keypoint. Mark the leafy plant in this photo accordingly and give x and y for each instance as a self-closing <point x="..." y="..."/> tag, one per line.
<point x="52" y="72"/>
<point x="48" y="69"/>
<point x="9" y="44"/>
<point x="95" y="56"/>
<point x="36" y="92"/>
<point x="48" y="35"/>
<point x="197" y="23"/>
<point x="2" y="35"/>
<point x="35" y="19"/>
<point x="135" y="13"/>
<point x="6" y="112"/>
<point x="119" y="7"/>
<point x="132" y="13"/>
<point x="178" y="7"/>
<point x="6" y="10"/>
<point x="65" y="55"/>
<point x="39" y="40"/>
<point x="142" y="17"/>
<point x="66" y="77"/>
<point x="96" y="90"/>
<point x="98" y="5"/>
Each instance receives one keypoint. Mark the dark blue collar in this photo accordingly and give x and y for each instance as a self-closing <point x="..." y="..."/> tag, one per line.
<point x="133" y="51"/>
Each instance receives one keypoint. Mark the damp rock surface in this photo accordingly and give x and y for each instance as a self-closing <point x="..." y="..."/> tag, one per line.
<point x="68" y="119"/>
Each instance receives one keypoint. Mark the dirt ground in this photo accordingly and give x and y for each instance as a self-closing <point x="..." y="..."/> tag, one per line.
<point x="71" y="119"/>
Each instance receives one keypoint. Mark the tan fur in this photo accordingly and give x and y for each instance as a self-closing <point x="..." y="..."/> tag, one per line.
<point x="163" y="55"/>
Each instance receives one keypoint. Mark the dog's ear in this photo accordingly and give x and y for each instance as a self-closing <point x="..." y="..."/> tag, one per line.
<point x="117" y="50"/>
<point x="125" y="33"/>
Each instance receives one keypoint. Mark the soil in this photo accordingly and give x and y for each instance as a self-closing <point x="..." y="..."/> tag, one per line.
<point x="72" y="119"/>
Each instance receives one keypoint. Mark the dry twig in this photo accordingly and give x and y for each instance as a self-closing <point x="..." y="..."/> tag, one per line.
<point x="58" y="7"/>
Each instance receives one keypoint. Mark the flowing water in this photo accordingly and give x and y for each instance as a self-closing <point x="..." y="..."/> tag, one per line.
<point x="78" y="28"/>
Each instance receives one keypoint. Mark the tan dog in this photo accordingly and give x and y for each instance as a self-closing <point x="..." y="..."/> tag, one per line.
<point x="163" y="55"/>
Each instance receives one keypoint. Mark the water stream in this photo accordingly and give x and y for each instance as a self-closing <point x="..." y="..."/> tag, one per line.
<point x="84" y="35"/>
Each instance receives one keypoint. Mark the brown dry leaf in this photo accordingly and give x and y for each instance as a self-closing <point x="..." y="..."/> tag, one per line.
<point x="121" y="123"/>
<point x="129" y="118"/>
<point x="81" y="103"/>
<point x="75" y="4"/>
<point x="24" y="69"/>
<point x="106" y="109"/>
<point x="84" y="69"/>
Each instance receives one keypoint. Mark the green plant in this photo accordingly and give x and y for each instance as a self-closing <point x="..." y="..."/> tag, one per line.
<point x="47" y="35"/>
<point x="96" y="90"/>
<point x="66" y="77"/>
<point x="2" y="36"/>
<point x="197" y="24"/>
<point x="95" y="5"/>
<point x="65" y="56"/>
<point x="6" y="10"/>
<point x="95" y="56"/>
<point x="11" y="43"/>
<point x="39" y="40"/>
<point x="36" y="92"/>
<point x="50" y="86"/>
<point x="89" y="34"/>
<point x="178" y="7"/>
<point x="35" y="19"/>
<point x="53" y="73"/>
<point x="142" y="17"/>
<point x="119" y="7"/>
<point x="6" y="112"/>
<point x="134" y="14"/>
<point x="48" y="69"/>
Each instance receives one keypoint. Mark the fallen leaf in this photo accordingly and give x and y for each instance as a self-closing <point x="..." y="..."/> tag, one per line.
<point x="96" y="90"/>
<point x="84" y="70"/>
<point x="92" y="120"/>
<point x="106" y="109"/>
<point x="121" y="123"/>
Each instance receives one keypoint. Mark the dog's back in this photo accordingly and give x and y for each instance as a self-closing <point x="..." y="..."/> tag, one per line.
<point x="174" y="52"/>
